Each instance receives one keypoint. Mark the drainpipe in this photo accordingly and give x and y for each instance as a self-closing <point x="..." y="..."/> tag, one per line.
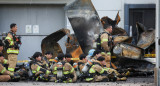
<point x="157" y="69"/>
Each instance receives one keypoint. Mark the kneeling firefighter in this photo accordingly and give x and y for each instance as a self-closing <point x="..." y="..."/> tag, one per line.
<point x="95" y="72"/>
<point x="39" y="72"/>
<point x="113" y="75"/>
<point x="63" y="71"/>
<point x="97" y="54"/>
<point x="79" y="65"/>
<point x="46" y="58"/>
<point x="6" y="75"/>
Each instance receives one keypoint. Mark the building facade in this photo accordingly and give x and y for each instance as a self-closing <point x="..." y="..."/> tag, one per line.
<point x="38" y="18"/>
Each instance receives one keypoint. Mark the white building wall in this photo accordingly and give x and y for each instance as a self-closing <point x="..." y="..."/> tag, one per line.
<point x="111" y="7"/>
<point x="108" y="8"/>
<point x="104" y="7"/>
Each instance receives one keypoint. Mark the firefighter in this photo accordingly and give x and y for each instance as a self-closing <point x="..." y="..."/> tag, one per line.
<point x="82" y="61"/>
<point x="117" y="76"/>
<point x="96" y="72"/>
<point x="96" y="55"/>
<point x="40" y="73"/>
<point x="113" y="75"/>
<point x="2" y="49"/>
<point x="5" y="61"/>
<point x="6" y="75"/>
<point x="78" y="66"/>
<point x="13" y="47"/>
<point x="106" y="44"/>
<point x="63" y="71"/>
<point x="46" y="58"/>
<point x="1" y="46"/>
<point x="68" y="57"/>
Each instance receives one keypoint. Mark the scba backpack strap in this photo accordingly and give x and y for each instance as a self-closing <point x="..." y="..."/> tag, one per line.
<point x="6" y="41"/>
<point x="99" y="40"/>
<point x="16" y="40"/>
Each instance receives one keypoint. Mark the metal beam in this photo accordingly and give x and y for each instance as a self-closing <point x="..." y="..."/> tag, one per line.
<point x="157" y="71"/>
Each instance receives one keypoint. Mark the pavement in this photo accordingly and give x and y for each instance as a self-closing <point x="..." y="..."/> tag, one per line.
<point x="131" y="81"/>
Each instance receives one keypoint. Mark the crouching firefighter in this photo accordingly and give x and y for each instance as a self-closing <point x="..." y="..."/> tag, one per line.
<point x="12" y="44"/>
<point x="79" y="66"/>
<point x="96" y="72"/>
<point x="63" y="71"/>
<point x="39" y="72"/>
<point x="46" y="59"/>
<point x="6" y="75"/>
<point x="4" y="61"/>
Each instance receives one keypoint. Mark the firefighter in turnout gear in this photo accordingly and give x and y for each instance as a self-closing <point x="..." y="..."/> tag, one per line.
<point x="96" y="72"/>
<point x="96" y="55"/>
<point x="82" y="61"/>
<point x="6" y="75"/>
<point x="1" y="46"/>
<point x="46" y="58"/>
<point x="12" y="43"/>
<point x="113" y="74"/>
<point x="5" y="61"/>
<point x="78" y="66"/>
<point x="104" y="42"/>
<point x="39" y="71"/>
<point x="63" y="71"/>
<point x="68" y="57"/>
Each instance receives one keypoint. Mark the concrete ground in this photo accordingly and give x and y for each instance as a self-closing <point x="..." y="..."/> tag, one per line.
<point x="131" y="81"/>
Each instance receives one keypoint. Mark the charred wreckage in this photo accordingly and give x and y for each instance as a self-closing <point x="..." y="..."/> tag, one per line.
<point x="87" y="26"/>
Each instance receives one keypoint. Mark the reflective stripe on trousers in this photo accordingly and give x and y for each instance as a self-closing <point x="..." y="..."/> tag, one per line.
<point x="10" y="50"/>
<point x="3" y="70"/>
<point x="11" y="69"/>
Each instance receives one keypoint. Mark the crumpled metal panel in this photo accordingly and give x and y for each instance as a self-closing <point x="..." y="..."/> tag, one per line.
<point x="119" y="31"/>
<point x="72" y="46"/>
<point x="85" y="22"/>
<point x="145" y="37"/>
<point x="127" y="51"/>
<point x="119" y="39"/>
<point x="49" y="43"/>
<point x="115" y="29"/>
